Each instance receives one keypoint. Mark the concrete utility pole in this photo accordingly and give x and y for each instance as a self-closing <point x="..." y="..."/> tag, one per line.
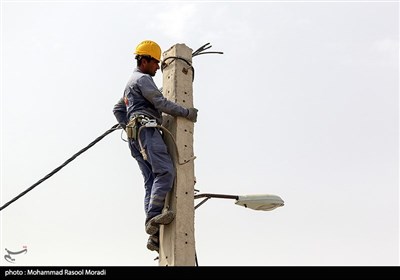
<point x="177" y="244"/>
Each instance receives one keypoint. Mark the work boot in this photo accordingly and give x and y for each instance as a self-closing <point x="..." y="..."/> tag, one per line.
<point x="153" y="225"/>
<point x="153" y="243"/>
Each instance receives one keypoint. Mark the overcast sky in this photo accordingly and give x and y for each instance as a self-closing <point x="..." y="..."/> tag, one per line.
<point x="303" y="104"/>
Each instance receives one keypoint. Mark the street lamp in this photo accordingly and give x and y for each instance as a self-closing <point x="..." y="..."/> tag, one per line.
<point x="264" y="202"/>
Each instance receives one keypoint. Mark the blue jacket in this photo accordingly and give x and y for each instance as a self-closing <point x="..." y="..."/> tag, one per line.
<point x="141" y="96"/>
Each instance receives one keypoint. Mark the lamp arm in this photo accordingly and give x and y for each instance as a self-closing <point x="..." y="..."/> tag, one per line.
<point x="210" y="195"/>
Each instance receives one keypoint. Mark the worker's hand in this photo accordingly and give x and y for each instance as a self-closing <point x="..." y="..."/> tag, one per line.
<point x="192" y="116"/>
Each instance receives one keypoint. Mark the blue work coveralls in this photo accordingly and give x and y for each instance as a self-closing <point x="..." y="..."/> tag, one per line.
<point x="142" y="97"/>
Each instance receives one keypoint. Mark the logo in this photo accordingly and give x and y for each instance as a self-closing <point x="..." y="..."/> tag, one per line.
<point x="10" y="259"/>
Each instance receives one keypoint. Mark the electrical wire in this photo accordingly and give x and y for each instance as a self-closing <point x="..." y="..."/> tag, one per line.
<point x="165" y="65"/>
<point x="113" y="128"/>
<point x="197" y="52"/>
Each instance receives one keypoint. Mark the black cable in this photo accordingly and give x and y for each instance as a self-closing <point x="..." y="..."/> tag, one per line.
<point x="210" y="52"/>
<point x="202" y="48"/>
<point x="199" y="51"/>
<point x="163" y="64"/>
<point x="113" y="128"/>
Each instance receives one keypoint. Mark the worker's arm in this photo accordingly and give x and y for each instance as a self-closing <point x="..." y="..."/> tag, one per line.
<point x="153" y="94"/>
<point x="120" y="113"/>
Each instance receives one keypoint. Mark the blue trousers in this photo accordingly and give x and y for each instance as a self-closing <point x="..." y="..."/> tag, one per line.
<point x="158" y="170"/>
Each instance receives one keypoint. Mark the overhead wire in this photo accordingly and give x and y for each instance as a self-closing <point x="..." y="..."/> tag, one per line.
<point x="113" y="128"/>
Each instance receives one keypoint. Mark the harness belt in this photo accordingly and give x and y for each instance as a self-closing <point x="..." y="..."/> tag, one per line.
<point x="132" y="128"/>
<point x="139" y="122"/>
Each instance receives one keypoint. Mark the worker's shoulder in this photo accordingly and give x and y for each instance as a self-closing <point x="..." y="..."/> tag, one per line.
<point x="140" y="76"/>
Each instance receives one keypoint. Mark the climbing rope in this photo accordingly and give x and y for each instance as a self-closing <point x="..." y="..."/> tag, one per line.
<point x="143" y="150"/>
<point x="113" y="128"/>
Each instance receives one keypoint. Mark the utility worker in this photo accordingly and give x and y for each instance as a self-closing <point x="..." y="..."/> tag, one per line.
<point x="142" y="103"/>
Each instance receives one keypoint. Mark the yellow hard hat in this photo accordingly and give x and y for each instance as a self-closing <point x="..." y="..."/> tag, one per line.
<point x="149" y="48"/>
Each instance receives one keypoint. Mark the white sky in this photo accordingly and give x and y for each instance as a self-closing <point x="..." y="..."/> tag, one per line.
<point x="302" y="104"/>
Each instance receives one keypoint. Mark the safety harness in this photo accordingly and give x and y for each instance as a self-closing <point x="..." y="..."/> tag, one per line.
<point x="139" y="122"/>
<point x="132" y="128"/>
